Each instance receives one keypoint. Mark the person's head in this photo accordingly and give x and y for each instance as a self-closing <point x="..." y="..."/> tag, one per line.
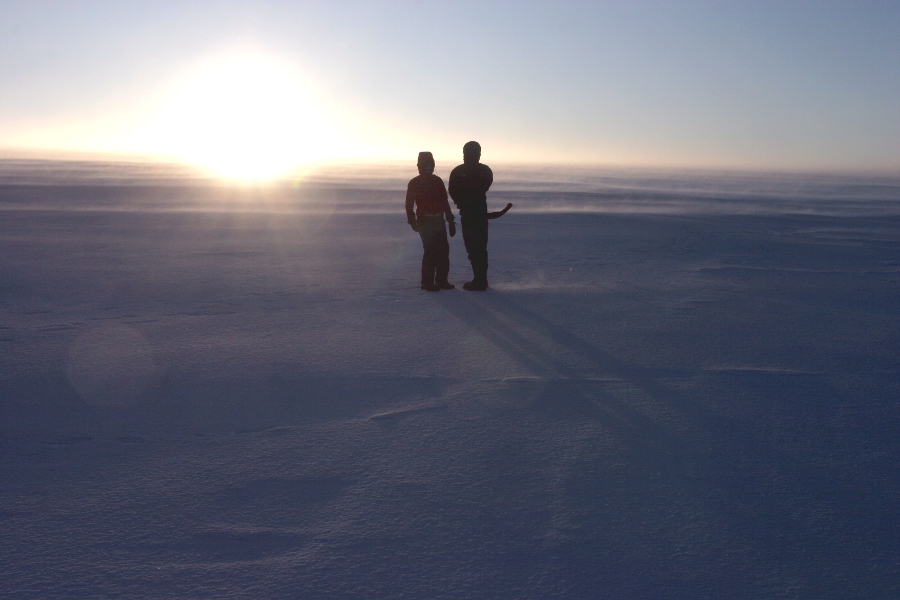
<point x="472" y="152"/>
<point x="426" y="163"/>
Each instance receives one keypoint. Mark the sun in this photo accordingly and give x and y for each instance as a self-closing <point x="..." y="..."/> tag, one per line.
<point x="244" y="116"/>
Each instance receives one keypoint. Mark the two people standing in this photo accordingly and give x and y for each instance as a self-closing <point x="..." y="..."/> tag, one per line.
<point x="469" y="183"/>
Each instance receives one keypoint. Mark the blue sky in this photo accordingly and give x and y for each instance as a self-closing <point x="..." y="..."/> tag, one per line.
<point x="781" y="85"/>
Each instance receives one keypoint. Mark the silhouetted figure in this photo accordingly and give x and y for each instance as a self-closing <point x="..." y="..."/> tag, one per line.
<point x="429" y="196"/>
<point x="469" y="183"/>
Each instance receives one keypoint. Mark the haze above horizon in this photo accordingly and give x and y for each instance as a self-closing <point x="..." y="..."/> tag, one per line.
<point x="254" y="89"/>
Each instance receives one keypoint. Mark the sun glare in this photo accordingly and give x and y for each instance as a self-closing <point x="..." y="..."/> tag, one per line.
<point x="245" y="116"/>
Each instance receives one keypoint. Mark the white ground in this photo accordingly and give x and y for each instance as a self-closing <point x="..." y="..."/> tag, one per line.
<point x="233" y="401"/>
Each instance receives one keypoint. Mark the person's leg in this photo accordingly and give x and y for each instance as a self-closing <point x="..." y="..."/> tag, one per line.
<point x="483" y="255"/>
<point x="469" y="226"/>
<point x="475" y="235"/>
<point x="442" y="257"/>
<point x="427" y="233"/>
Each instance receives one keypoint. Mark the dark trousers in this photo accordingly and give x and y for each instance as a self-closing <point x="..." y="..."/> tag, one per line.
<point x="475" y="235"/>
<point x="436" y="258"/>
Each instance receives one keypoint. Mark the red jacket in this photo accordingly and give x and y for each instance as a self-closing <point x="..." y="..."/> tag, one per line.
<point x="428" y="194"/>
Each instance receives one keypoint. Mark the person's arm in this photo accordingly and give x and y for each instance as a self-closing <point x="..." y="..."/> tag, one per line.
<point x="410" y="213"/>
<point x="487" y="177"/>
<point x="499" y="213"/>
<point x="448" y="214"/>
<point x="453" y="186"/>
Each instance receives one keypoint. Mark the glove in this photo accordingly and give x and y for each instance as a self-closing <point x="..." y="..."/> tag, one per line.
<point x="452" y="227"/>
<point x="414" y="225"/>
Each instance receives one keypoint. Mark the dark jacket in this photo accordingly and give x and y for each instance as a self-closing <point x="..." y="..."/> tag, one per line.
<point x="469" y="183"/>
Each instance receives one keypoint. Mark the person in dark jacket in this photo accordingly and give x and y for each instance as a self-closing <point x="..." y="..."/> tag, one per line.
<point x="426" y="208"/>
<point x="469" y="183"/>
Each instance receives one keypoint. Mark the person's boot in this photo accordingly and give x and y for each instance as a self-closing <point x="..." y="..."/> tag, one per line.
<point x="479" y="280"/>
<point x="475" y="285"/>
<point x="428" y="277"/>
<point x="445" y="285"/>
<point x="429" y="286"/>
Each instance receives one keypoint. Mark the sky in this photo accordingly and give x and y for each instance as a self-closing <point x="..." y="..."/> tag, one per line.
<point x="264" y="85"/>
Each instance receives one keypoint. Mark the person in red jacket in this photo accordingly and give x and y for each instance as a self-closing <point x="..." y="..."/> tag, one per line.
<point x="426" y="208"/>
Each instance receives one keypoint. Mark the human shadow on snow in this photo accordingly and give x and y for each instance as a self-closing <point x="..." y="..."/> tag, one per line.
<point x="519" y="333"/>
<point x="754" y="473"/>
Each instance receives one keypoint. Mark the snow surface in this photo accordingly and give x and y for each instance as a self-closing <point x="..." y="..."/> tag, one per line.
<point x="225" y="392"/>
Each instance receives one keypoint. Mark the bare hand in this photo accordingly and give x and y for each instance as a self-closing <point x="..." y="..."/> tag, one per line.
<point x="452" y="227"/>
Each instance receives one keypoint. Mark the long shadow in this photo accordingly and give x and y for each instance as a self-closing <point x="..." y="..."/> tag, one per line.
<point x="645" y="437"/>
<point x="754" y="478"/>
<point x="658" y="467"/>
<point x="640" y="377"/>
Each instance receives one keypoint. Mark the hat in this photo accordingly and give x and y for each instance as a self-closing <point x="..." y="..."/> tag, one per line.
<point x="426" y="159"/>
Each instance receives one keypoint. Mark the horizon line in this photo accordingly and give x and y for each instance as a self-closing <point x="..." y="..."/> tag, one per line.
<point x="127" y="158"/>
